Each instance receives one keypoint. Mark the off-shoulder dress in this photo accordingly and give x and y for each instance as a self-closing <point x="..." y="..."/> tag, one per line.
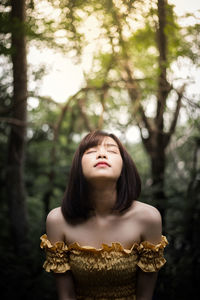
<point x="105" y="273"/>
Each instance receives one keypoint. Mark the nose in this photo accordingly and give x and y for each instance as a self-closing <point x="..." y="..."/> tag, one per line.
<point x="101" y="153"/>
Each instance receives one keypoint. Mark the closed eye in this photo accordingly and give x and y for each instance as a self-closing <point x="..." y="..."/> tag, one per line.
<point x="111" y="151"/>
<point x="91" y="151"/>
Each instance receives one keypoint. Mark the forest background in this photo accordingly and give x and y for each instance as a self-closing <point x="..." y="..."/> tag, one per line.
<point x="140" y="81"/>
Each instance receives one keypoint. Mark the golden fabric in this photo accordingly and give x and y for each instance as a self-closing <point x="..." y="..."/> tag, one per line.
<point x="105" y="273"/>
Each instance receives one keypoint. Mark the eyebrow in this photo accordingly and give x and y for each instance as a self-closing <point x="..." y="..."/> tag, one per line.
<point x="108" y="144"/>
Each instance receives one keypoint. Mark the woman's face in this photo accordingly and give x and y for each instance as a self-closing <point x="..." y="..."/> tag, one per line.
<point x="103" y="161"/>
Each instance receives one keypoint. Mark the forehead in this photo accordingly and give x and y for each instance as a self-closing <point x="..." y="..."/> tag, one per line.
<point x="108" y="141"/>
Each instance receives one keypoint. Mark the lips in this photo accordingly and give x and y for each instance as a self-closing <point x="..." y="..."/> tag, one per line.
<point x="102" y="163"/>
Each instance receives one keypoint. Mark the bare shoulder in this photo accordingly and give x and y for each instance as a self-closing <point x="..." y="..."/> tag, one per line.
<point x="55" y="225"/>
<point x="55" y="215"/>
<point x="149" y="220"/>
<point x="146" y="212"/>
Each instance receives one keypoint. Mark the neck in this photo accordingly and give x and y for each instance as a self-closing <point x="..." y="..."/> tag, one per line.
<point x="103" y="197"/>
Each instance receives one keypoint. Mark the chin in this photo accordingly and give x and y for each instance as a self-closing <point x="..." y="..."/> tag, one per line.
<point x="102" y="179"/>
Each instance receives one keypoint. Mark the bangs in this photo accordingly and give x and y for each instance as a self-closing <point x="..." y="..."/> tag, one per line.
<point x="91" y="140"/>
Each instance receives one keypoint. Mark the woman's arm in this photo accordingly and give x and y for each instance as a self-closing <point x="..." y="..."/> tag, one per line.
<point x="54" y="229"/>
<point x="151" y="225"/>
<point x="145" y="285"/>
<point x="65" y="286"/>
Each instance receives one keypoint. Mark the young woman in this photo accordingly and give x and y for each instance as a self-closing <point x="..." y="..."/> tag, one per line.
<point x="102" y="243"/>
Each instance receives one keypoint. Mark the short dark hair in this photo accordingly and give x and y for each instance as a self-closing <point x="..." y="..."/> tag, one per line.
<point x="76" y="205"/>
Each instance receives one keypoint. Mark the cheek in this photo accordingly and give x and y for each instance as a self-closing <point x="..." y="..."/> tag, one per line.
<point x="86" y="165"/>
<point x="83" y="164"/>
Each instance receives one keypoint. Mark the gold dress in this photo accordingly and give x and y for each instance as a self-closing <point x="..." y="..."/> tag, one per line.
<point x="105" y="273"/>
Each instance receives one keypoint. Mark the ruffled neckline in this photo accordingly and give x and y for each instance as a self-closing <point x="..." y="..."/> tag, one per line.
<point x="115" y="246"/>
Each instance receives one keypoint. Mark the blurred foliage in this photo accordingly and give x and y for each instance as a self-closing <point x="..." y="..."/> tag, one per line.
<point x="182" y="207"/>
<point x="50" y="145"/>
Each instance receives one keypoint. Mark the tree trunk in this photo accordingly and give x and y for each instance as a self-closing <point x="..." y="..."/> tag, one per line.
<point x="16" y="147"/>
<point x="158" y="157"/>
<point x="157" y="140"/>
<point x="155" y="146"/>
<point x="158" y="172"/>
<point x="158" y="168"/>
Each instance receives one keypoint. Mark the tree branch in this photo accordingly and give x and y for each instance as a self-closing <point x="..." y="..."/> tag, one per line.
<point x="177" y="110"/>
<point x="163" y="85"/>
<point x="14" y="121"/>
<point x="81" y="106"/>
<point x="145" y="120"/>
<point x="191" y="102"/>
<point x="102" y="100"/>
<point x="44" y="98"/>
